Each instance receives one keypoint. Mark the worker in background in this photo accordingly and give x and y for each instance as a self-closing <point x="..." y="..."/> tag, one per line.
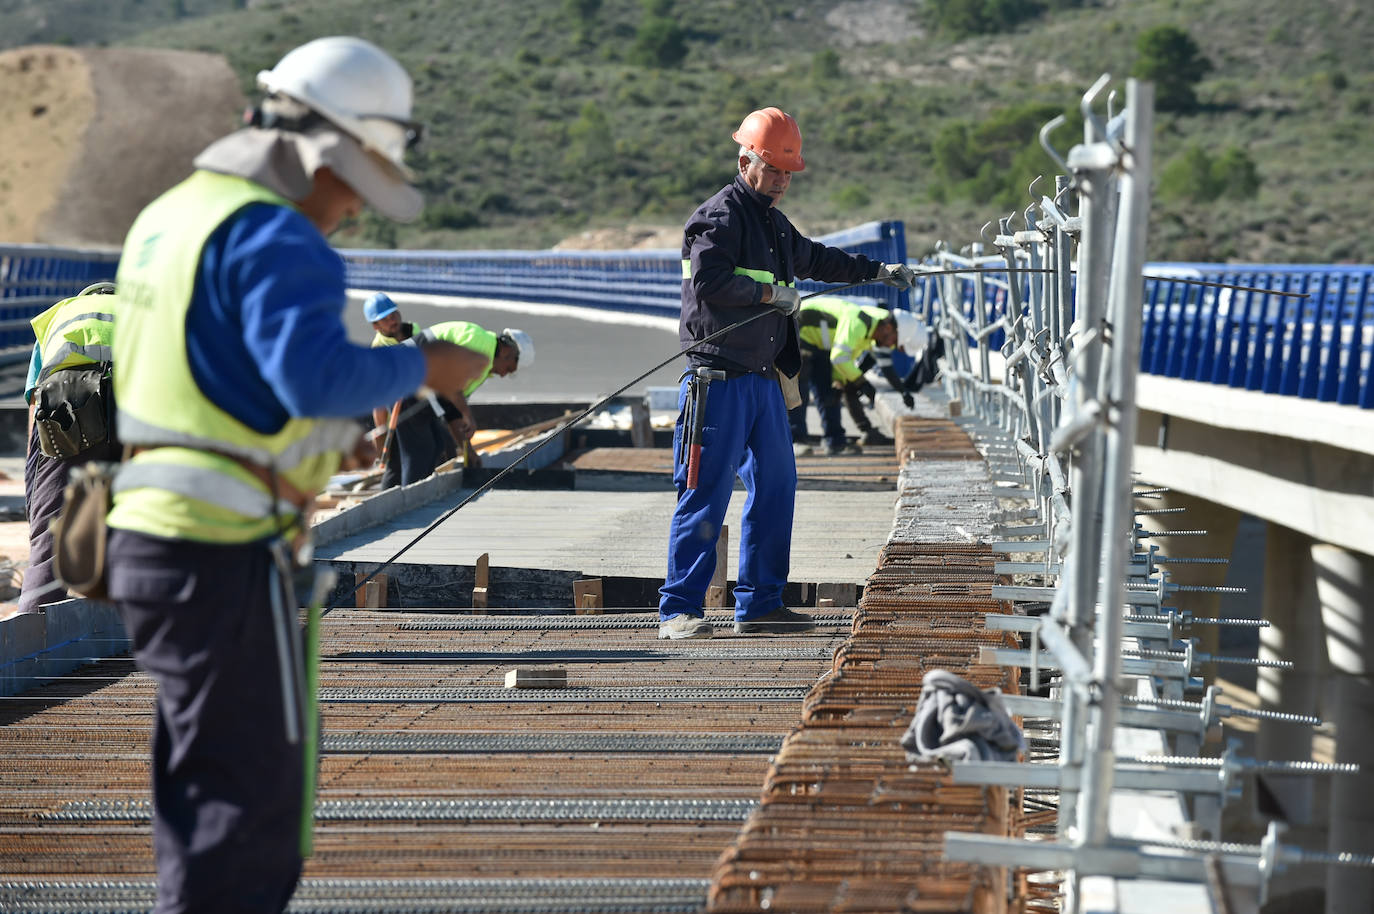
<point x="836" y="337"/>
<point x="233" y="429"/>
<point x="426" y="429"/>
<point x="446" y="419"/>
<point x="71" y="419"/>
<point x="741" y="257"/>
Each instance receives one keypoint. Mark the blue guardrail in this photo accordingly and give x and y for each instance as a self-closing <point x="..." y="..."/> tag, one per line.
<point x="1320" y="347"/>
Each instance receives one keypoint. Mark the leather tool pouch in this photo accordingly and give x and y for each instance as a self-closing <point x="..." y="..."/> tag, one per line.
<point x="791" y="389"/>
<point x="79" y="530"/>
<point x="72" y="412"/>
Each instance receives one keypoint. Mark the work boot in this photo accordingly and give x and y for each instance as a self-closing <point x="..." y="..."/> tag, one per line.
<point x="873" y="436"/>
<point x="781" y="621"/>
<point x="682" y="626"/>
<point x="842" y="450"/>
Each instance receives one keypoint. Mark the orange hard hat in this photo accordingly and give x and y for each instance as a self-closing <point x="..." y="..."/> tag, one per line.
<point x="774" y="136"/>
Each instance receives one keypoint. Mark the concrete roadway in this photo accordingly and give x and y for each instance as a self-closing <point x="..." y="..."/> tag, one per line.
<point x="580" y="354"/>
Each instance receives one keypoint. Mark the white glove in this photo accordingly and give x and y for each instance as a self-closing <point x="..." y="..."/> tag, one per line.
<point x="897" y="275"/>
<point x="785" y="299"/>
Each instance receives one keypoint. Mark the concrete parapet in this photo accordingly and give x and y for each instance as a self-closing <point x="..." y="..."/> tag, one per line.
<point x="385" y="505"/>
<point x="37" y="647"/>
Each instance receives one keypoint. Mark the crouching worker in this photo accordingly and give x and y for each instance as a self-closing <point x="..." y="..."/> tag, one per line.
<point x="71" y="420"/>
<point x="428" y="428"/>
<point x="235" y="393"/>
<point x="838" y="337"/>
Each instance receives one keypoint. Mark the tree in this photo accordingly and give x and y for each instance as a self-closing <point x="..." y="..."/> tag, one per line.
<point x="1169" y="58"/>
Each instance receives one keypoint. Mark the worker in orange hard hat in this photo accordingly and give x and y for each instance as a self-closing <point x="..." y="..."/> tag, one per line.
<point x="741" y="254"/>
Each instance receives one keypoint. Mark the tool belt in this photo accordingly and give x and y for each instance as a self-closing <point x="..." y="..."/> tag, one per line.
<point x="74" y="411"/>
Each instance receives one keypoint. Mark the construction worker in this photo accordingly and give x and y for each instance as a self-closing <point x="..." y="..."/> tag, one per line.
<point x="426" y="428"/>
<point x="435" y="423"/>
<point x="837" y="338"/>
<point x="71" y="419"/>
<point x="741" y="258"/>
<point x="236" y="394"/>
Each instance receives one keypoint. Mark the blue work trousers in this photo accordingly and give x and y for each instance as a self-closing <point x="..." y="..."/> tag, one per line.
<point x="745" y="434"/>
<point x="228" y="762"/>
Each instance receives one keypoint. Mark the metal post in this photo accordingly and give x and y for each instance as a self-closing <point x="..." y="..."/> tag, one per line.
<point x="1125" y="294"/>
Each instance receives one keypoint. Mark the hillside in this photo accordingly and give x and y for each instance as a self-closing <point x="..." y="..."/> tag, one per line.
<point x="552" y="118"/>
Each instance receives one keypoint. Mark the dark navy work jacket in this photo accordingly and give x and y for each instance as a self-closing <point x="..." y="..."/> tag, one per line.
<point x="733" y="242"/>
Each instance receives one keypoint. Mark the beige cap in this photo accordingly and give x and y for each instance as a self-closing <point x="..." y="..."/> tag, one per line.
<point x="286" y="161"/>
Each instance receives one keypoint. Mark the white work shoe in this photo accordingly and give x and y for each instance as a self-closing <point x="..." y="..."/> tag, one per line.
<point x="684" y="626"/>
<point x="801" y="450"/>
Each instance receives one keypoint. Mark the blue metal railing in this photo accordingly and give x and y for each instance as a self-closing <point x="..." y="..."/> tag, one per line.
<point x="1320" y="347"/>
<point x="33" y="276"/>
<point x="648" y="281"/>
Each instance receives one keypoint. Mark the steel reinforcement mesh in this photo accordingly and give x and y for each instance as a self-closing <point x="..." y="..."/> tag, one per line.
<point x="845" y="822"/>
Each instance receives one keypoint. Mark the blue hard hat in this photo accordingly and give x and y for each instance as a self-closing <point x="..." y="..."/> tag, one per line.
<point x="378" y="307"/>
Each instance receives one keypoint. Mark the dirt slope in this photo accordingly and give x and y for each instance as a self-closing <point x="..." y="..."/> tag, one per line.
<point x="93" y="134"/>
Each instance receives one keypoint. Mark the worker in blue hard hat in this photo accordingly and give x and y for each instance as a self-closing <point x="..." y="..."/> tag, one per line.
<point x="427" y="428"/>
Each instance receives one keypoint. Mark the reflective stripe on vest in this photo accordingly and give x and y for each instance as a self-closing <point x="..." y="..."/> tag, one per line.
<point x="209" y="486"/>
<point x="71" y="334"/>
<point x="763" y="276"/>
<point x="329" y="435"/>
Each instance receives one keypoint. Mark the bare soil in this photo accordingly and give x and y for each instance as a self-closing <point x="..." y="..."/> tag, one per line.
<point x="94" y="134"/>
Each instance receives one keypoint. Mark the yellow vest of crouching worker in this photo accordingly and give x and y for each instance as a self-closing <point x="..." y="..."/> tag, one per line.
<point x="188" y="479"/>
<point x="75" y="332"/>
<point x="469" y="336"/>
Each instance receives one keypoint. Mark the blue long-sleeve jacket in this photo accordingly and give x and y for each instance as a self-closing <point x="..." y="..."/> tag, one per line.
<point x="739" y="230"/>
<point x="264" y="335"/>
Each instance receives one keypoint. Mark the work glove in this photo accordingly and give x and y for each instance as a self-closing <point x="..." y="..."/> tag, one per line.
<point x="908" y="400"/>
<point x="897" y="275"/>
<point x="785" y="299"/>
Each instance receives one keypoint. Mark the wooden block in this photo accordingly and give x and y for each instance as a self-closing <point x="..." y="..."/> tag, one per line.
<point x="715" y="591"/>
<point x="825" y="603"/>
<point x="480" y="579"/>
<point x="588" y="596"/>
<point x="526" y="678"/>
<point x="371" y="595"/>
<point x="641" y="430"/>
<point x="956" y="408"/>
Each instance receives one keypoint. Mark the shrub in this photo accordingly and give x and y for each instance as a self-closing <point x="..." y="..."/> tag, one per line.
<point x="1197" y="176"/>
<point x="660" y="42"/>
<point x="978" y="17"/>
<point x="851" y="196"/>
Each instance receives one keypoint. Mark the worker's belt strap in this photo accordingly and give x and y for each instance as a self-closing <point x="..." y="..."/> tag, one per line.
<point x="230" y="493"/>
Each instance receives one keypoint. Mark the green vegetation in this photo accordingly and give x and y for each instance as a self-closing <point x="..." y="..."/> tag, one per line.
<point x="1169" y="58"/>
<point x="551" y="117"/>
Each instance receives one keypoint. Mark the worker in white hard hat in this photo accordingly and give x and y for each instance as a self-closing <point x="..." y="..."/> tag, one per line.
<point x="231" y="431"/>
<point x="426" y="427"/>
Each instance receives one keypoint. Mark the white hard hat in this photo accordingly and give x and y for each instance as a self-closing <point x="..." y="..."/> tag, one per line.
<point x="912" y="333"/>
<point x="356" y="86"/>
<point x="524" y="346"/>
